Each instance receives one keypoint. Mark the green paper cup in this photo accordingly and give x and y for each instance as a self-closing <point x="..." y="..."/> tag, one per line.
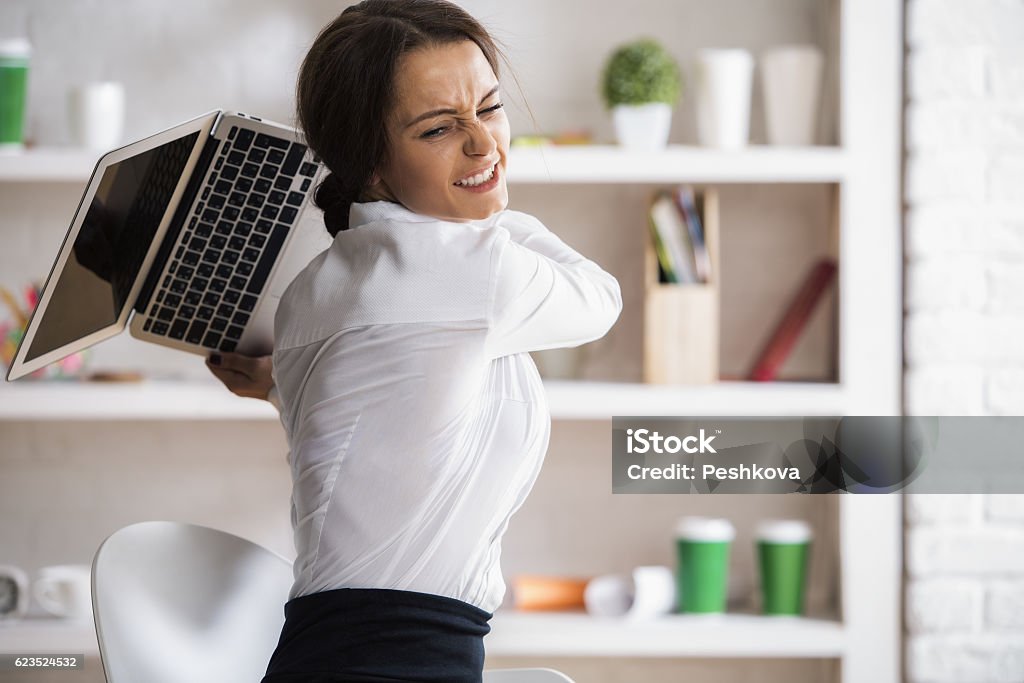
<point x="783" y="547"/>
<point x="14" y="57"/>
<point x="702" y="544"/>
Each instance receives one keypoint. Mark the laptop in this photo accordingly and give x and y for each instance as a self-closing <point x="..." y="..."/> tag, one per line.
<point x="187" y="237"/>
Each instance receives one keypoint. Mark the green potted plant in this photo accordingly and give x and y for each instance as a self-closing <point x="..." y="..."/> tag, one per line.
<point x="641" y="84"/>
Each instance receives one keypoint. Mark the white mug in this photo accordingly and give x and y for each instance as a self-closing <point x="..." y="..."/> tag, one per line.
<point x="650" y="594"/>
<point x="96" y="115"/>
<point x="724" y="79"/>
<point x="791" y="75"/>
<point x="654" y="592"/>
<point x="610" y="595"/>
<point x="65" y="590"/>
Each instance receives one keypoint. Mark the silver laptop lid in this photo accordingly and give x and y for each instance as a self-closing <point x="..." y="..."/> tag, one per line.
<point x="110" y="246"/>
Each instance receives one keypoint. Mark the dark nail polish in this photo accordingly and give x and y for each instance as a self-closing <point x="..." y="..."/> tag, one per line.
<point x="215" y="359"/>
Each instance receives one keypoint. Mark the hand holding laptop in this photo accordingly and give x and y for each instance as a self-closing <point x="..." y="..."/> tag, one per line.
<point x="248" y="376"/>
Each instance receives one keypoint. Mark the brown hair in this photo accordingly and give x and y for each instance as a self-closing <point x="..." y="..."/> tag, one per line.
<point x="345" y="89"/>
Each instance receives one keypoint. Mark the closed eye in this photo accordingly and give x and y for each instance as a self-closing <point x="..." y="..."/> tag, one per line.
<point x="431" y="133"/>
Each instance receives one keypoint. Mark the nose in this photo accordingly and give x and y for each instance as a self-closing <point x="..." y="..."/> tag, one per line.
<point x="479" y="140"/>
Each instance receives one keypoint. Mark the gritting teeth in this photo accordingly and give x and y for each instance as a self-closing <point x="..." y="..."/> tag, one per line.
<point x="478" y="178"/>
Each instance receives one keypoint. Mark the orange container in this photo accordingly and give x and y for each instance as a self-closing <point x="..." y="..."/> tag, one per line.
<point x="536" y="592"/>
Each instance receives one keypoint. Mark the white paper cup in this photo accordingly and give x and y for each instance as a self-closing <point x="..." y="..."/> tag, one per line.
<point x="724" y="79"/>
<point x="65" y="591"/>
<point x="96" y="115"/>
<point x="791" y="75"/>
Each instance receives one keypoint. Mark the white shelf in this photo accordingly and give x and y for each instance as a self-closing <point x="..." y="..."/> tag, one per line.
<point x="165" y="400"/>
<point x="48" y="635"/>
<point x="554" y="634"/>
<point x="601" y="400"/>
<point x="48" y="164"/>
<point x="676" y="635"/>
<point x="149" y="400"/>
<point x="609" y="164"/>
<point x="604" y="164"/>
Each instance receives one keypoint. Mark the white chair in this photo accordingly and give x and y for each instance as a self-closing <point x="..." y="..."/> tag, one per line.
<point x="178" y="602"/>
<point x="182" y="603"/>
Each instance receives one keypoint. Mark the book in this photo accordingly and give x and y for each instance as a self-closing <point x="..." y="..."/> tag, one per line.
<point x="669" y="226"/>
<point x="793" y="321"/>
<point x="687" y="204"/>
<point x="665" y="269"/>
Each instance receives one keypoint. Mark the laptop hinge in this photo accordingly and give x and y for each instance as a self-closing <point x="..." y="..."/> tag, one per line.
<point x="216" y="124"/>
<point x="180" y="214"/>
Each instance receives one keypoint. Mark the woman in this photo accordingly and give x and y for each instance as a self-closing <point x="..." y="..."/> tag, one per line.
<point x="416" y="419"/>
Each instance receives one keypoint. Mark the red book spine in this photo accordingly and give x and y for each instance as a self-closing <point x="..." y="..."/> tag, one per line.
<point x="786" y="333"/>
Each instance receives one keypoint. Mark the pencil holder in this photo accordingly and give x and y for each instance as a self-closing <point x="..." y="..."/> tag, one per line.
<point x="681" y="321"/>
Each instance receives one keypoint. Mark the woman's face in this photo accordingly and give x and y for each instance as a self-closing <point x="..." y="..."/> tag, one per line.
<point x="430" y="151"/>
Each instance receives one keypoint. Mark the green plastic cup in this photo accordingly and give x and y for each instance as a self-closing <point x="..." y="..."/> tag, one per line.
<point x="14" y="58"/>
<point x="783" y="547"/>
<point x="702" y="545"/>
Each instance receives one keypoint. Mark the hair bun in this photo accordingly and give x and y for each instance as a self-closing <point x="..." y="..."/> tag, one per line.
<point x="332" y="199"/>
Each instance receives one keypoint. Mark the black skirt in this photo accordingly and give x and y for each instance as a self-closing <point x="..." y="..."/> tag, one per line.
<point x="377" y="634"/>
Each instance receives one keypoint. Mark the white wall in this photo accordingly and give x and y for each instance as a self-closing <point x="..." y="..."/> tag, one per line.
<point x="964" y="324"/>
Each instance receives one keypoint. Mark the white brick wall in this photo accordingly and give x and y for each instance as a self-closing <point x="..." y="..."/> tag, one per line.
<point x="964" y="598"/>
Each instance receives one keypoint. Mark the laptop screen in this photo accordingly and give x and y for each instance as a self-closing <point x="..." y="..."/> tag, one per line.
<point x="111" y="245"/>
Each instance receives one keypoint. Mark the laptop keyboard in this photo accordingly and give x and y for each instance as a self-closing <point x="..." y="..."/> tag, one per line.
<point x="232" y="241"/>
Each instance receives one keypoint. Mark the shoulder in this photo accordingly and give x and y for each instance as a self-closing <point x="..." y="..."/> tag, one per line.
<point x="390" y="271"/>
<point x="511" y="217"/>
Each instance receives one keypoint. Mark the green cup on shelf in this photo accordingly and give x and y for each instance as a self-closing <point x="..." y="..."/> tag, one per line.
<point x="14" y="57"/>
<point x="783" y="547"/>
<point x="702" y="546"/>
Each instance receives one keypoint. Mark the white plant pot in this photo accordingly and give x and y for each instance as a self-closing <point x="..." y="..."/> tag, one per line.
<point x="642" y="126"/>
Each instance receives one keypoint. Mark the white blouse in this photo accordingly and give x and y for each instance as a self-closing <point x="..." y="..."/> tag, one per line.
<point x="416" y="419"/>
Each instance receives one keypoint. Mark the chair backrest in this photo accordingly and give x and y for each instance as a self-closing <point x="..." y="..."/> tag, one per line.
<point x="180" y="602"/>
<point x="525" y="676"/>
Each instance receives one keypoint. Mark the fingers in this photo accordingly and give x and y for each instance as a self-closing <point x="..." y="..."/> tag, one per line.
<point x="228" y="377"/>
<point x="249" y="376"/>
<point x="253" y="367"/>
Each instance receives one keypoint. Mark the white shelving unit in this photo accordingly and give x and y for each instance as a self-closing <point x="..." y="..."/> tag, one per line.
<point x="568" y="400"/>
<point x="48" y="164"/>
<point x="48" y="635"/>
<point x="148" y="400"/>
<point x="676" y="635"/>
<point x="555" y="634"/>
<point x="606" y="164"/>
<point x="866" y="635"/>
